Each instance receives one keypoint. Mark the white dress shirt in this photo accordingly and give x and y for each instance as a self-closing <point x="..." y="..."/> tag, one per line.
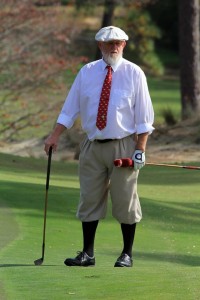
<point x="130" y="108"/>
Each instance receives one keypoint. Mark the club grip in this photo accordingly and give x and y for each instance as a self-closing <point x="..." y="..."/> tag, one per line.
<point x="124" y="162"/>
<point x="48" y="168"/>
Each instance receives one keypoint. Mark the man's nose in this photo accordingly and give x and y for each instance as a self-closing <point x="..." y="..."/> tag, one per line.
<point x="114" y="46"/>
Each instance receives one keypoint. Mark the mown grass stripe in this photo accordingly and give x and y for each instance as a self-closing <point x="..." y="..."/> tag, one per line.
<point x="166" y="248"/>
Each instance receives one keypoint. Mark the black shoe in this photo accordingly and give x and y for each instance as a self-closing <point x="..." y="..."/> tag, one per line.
<point x="124" y="261"/>
<point x="81" y="260"/>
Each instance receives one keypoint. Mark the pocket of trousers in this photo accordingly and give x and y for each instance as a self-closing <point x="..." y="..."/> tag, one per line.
<point x="83" y="143"/>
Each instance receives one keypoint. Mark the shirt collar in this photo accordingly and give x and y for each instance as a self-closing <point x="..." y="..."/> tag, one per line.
<point x="114" y="67"/>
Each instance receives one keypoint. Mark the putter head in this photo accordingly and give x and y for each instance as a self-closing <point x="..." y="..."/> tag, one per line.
<point x="38" y="262"/>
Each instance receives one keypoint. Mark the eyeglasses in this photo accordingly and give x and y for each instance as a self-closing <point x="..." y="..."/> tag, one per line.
<point x="114" y="43"/>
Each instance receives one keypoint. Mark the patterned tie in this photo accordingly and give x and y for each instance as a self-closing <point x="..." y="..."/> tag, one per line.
<point x="104" y="99"/>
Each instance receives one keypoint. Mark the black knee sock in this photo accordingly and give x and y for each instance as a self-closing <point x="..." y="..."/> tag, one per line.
<point x="128" y="233"/>
<point x="89" y="230"/>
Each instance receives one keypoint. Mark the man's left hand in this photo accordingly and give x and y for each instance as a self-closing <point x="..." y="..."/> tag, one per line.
<point x="139" y="159"/>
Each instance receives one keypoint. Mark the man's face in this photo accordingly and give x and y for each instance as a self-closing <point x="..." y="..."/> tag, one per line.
<point x="112" y="51"/>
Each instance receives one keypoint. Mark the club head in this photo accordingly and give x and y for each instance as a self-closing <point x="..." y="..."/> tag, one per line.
<point x="38" y="262"/>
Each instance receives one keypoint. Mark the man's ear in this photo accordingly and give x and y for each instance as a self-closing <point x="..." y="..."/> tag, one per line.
<point x="99" y="45"/>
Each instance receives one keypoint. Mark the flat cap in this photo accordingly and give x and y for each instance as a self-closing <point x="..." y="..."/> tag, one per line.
<point x="110" y="33"/>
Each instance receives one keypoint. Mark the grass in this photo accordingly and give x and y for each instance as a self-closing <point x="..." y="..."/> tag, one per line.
<point x="165" y="95"/>
<point x="166" y="250"/>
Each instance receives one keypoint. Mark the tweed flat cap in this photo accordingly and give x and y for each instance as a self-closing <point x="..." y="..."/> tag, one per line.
<point x="110" y="33"/>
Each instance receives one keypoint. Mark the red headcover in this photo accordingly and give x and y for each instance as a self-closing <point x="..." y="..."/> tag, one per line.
<point x="123" y="162"/>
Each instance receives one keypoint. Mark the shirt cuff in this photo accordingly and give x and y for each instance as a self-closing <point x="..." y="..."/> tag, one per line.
<point x="142" y="128"/>
<point x="65" y="121"/>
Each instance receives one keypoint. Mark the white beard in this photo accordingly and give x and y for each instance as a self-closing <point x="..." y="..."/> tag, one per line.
<point x="111" y="60"/>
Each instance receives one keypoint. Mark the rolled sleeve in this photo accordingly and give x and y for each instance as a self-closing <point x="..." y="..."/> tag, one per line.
<point x="144" y="113"/>
<point x="146" y="127"/>
<point x="71" y="108"/>
<point x="65" y="120"/>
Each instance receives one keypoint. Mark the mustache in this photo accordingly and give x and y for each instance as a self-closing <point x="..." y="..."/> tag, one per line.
<point x="111" y="58"/>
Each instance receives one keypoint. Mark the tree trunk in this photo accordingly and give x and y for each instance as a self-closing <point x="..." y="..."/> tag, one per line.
<point x="189" y="57"/>
<point x="109" y="7"/>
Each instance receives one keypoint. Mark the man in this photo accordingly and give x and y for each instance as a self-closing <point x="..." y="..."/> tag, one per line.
<point x="117" y="119"/>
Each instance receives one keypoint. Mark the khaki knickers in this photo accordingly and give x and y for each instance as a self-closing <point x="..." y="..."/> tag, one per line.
<point x="98" y="176"/>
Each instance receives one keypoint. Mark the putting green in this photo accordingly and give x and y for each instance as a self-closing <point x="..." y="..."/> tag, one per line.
<point x="166" y="249"/>
<point x="8" y="225"/>
<point x="8" y="231"/>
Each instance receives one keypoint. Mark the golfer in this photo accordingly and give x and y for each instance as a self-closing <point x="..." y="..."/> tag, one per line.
<point x="111" y="98"/>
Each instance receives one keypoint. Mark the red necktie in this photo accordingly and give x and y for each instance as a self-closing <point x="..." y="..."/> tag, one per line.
<point x="104" y="99"/>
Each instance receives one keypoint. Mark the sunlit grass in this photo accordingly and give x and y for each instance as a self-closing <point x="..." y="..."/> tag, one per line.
<point x="166" y="249"/>
<point x="165" y="95"/>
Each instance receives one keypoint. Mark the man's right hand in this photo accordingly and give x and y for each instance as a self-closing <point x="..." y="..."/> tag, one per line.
<point x="51" y="141"/>
<point x="53" y="138"/>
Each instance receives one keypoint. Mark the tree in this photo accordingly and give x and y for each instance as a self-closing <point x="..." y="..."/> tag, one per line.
<point x="140" y="28"/>
<point x="143" y="33"/>
<point x="34" y="50"/>
<point x="189" y="57"/>
<point x="165" y="15"/>
<point x="107" y="20"/>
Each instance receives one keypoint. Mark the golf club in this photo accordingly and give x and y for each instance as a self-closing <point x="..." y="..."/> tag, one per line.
<point x="39" y="261"/>
<point x="128" y="162"/>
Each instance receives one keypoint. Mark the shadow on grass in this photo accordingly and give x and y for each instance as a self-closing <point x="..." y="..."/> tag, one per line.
<point x="31" y="197"/>
<point x="172" y="216"/>
<point x="169" y="216"/>
<point x="173" y="177"/>
<point x="23" y="265"/>
<point x="28" y="199"/>
<point x="181" y="259"/>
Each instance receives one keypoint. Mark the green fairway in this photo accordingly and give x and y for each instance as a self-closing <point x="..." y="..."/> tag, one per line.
<point x="165" y="95"/>
<point x="166" y="249"/>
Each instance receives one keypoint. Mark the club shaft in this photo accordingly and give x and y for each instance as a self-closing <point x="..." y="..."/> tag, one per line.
<point x="128" y="162"/>
<point x="44" y="225"/>
<point x="174" y="166"/>
<point x="46" y="200"/>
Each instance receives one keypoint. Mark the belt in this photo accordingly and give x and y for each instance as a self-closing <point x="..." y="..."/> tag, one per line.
<point x="105" y="141"/>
